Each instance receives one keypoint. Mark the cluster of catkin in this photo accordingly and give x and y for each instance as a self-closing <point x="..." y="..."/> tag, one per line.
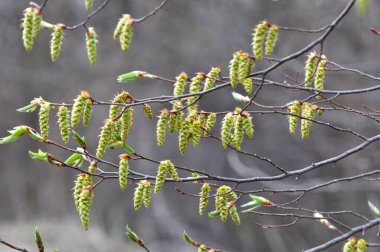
<point x="118" y="125"/>
<point x="315" y="71"/>
<point x="307" y="112"/>
<point x="241" y="65"/>
<point x="264" y="34"/>
<point x="164" y="168"/>
<point x="234" y="126"/>
<point x="32" y="23"/>
<point x="353" y="245"/>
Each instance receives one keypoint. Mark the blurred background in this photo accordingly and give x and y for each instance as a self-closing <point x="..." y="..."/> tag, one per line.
<point x="188" y="36"/>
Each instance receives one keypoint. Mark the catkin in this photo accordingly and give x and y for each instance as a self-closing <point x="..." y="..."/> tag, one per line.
<point x="147" y="111"/>
<point x="248" y="125"/>
<point x="172" y="170"/>
<point x="116" y="132"/>
<point x="114" y="109"/>
<point x="160" y="177"/>
<point x="184" y="134"/>
<point x="310" y="67"/>
<point x="105" y="137"/>
<point x="63" y="123"/>
<point x="44" y="119"/>
<point x="138" y="196"/>
<point x="195" y="87"/>
<point x="126" y="122"/>
<point x="211" y="78"/>
<point x="309" y="113"/>
<point x="37" y="19"/>
<point x="85" y="206"/>
<point x="221" y="202"/>
<point x="91" y="45"/>
<point x="126" y="33"/>
<point x="203" y="200"/>
<point x="210" y="123"/>
<point x="78" y="107"/>
<point x="320" y="75"/>
<point x="161" y="127"/>
<point x="349" y="246"/>
<point x="123" y="171"/>
<point x="56" y="41"/>
<point x="234" y="69"/>
<point x="82" y="181"/>
<point x="238" y="131"/>
<point x="248" y="85"/>
<point x="361" y="246"/>
<point x="227" y="125"/>
<point x="271" y="39"/>
<point x="196" y="133"/>
<point x="87" y="113"/>
<point x="234" y="215"/>
<point x="258" y="39"/>
<point x="180" y="84"/>
<point x="27" y="32"/>
<point x="294" y="108"/>
<point x="147" y="194"/>
<point x="244" y="66"/>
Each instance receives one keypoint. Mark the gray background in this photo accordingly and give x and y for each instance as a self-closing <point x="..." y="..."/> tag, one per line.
<point x="188" y="36"/>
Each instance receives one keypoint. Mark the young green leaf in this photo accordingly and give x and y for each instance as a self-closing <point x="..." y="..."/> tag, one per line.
<point x="39" y="156"/>
<point x="375" y="211"/>
<point x="39" y="242"/>
<point x="134" y="75"/>
<point x="80" y="140"/>
<point x="30" y="107"/>
<point x="75" y="158"/>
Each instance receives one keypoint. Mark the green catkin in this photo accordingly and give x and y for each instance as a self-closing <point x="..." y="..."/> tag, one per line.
<point x="234" y="69"/>
<point x="349" y="246"/>
<point x="172" y="170"/>
<point x="138" y="196"/>
<point x="238" y="131"/>
<point x="310" y="67"/>
<point x="161" y="127"/>
<point x="184" y="134"/>
<point x="195" y="87"/>
<point x="115" y="136"/>
<point x="82" y="181"/>
<point x="319" y="80"/>
<point x="248" y="85"/>
<point x="56" y="41"/>
<point x="44" y="119"/>
<point x="172" y="120"/>
<point x="87" y="113"/>
<point x="294" y="108"/>
<point x="178" y="120"/>
<point x="85" y="206"/>
<point x="244" y="64"/>
<point x="93" y="167"/>
<point x="258" y="39"/>
<point x="203" y="200"/>
<point x="63" y="123"/>
<point x="88" y="4"/>
<point x="211" y="78"/>
<point x="27" y="32"/>
<point x="221" y="202"/>
<point x="308" y="112"/>
<point x="126" y="122"/>
<point x="119" y="28"/>
<point x="37" y="19"/>
<point x="147" y="194"/>
<point x="126" y="33"/>
<point x="271" y="40"/>
<point x="361" y="246"/>
<point x="235" y="215"/>
<point x="114" y="109"/>
<point x="147" y="111"/>
<point x="248" y="125"/>
<point x="123" y="171"/>
<point x="210" y="123"/>
<point x="91" y="45"/>
<point x="78" y="107"/>
<point x="105" y="137"/>
<point x="227" y="125"/>
<point x="196" y="133"/>
<point x="180" y="84"/>
<point x="160" y="177"/>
